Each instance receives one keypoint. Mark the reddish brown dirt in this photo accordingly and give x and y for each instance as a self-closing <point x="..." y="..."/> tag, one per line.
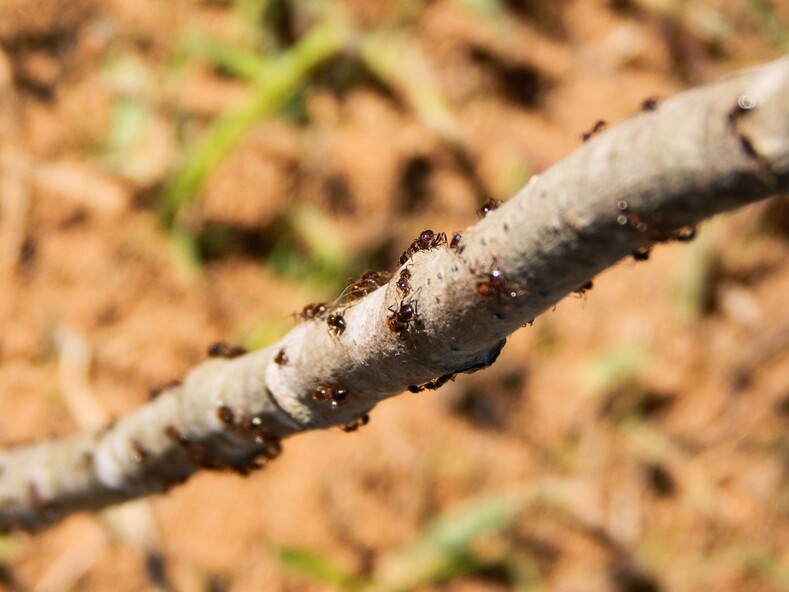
<point x="675" y="479"/>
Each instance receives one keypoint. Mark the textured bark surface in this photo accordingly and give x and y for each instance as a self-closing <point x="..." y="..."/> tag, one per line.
<point x="705" y="151"/>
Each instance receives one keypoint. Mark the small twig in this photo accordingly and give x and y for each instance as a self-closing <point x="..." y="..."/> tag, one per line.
<point x="646" y="180"/>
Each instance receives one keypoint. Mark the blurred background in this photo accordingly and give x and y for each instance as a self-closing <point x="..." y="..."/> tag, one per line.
<point x="177" y="172"/>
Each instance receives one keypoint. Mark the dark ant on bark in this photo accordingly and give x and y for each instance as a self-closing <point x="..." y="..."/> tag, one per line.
<point x="486" y="208"/>
<point x="495" y="283"/>
<point x="432" y="385"/>
<point x="272" y="445"/>
<point x="220" y="349"/>
<point x="650" y="104"/>
<point x="641" y="253"/>
<point x="281" y="359"/>
<point x="225" y="414"/>
<point x="403" y="281"/>
<point x="368" y="282"/>
<point x="596" y="129"/>
<point x="199" y="455"/>
<point x="455" y="242"/>
<point x="585" y="288"/>
<point x="336" y="323"/>
<point x="684" y="235"/>
<point x="337" y="396"/>
<point x="354" y="425"/>
<point x="316" y="311"/>
<point x="403" y="318"/>
<point x="424" y="242"/>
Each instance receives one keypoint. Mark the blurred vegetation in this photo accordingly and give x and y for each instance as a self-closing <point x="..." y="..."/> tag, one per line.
<point x="278" y="49"/>
<point x="468" y="540"/>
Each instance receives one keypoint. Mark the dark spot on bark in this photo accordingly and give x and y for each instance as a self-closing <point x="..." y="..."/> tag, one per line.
<point x="220" y="349"/>
<point x="354" y="425"/>
<point x="281" y="359"/>
<point x="225" y="414"/>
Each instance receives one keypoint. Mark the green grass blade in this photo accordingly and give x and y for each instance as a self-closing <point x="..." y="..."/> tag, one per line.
<point x="280" y="78"/>
<point x="317" y="566"/>
<point x="398" y="62"/>
<point x="444" y="549"/>
<point x="239" y="62"/>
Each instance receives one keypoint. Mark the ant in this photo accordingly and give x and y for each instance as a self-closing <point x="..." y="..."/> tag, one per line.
<point x="427" y="240"/>
<point x="596" y="129"/>
<point x="337" y="396"/>
<point x="495" y="283"/>
<point x="432" y="385"/>
<point x="354" y="425"/>
<point x="585" y="288"/>
<point x="401" y="318"/>
<point x="369" y="282"/>
<point x="487" y="207"/>
<point x="281" y="359"/>
<point x="403" y="284"/>
<point x="455" y="242"/>
<point x="641" y="253"/>
<point x="316" y="311"/>
<point x="220" y="349"/>
<point x="650" y="104"/>
<point x="336" y="323"/>
<point x="225" y="414"/>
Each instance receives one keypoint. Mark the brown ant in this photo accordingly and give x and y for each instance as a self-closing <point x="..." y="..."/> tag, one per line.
<point x="403" y="284"/>
<point x="684" y="234"/>
<point x="354" y="425"/>
<point x="585" y="288"/>
<point x="650" y="104"/>
<point x="368" y="282"/>
<point x="495" y="283"/>
<point x="403" y="317"/>
<point x="427" y="240"/>
<point x="336" y="395"/>
<point x="336" y="323"/>
<point x="487" y="207"/>
<point x="221" y="349"/>
<point x="225" y="414"/>
<point x="281" y="359"/>
<point x="455" y="242"/>
<point x="432" y="385"/>
<point x="596" y="129"/>
<point x="316" y="311"/>
<point x="641" y="253"/>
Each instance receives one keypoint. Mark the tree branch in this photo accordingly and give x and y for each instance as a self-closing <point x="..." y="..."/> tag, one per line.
<point x="705" y="151"/>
